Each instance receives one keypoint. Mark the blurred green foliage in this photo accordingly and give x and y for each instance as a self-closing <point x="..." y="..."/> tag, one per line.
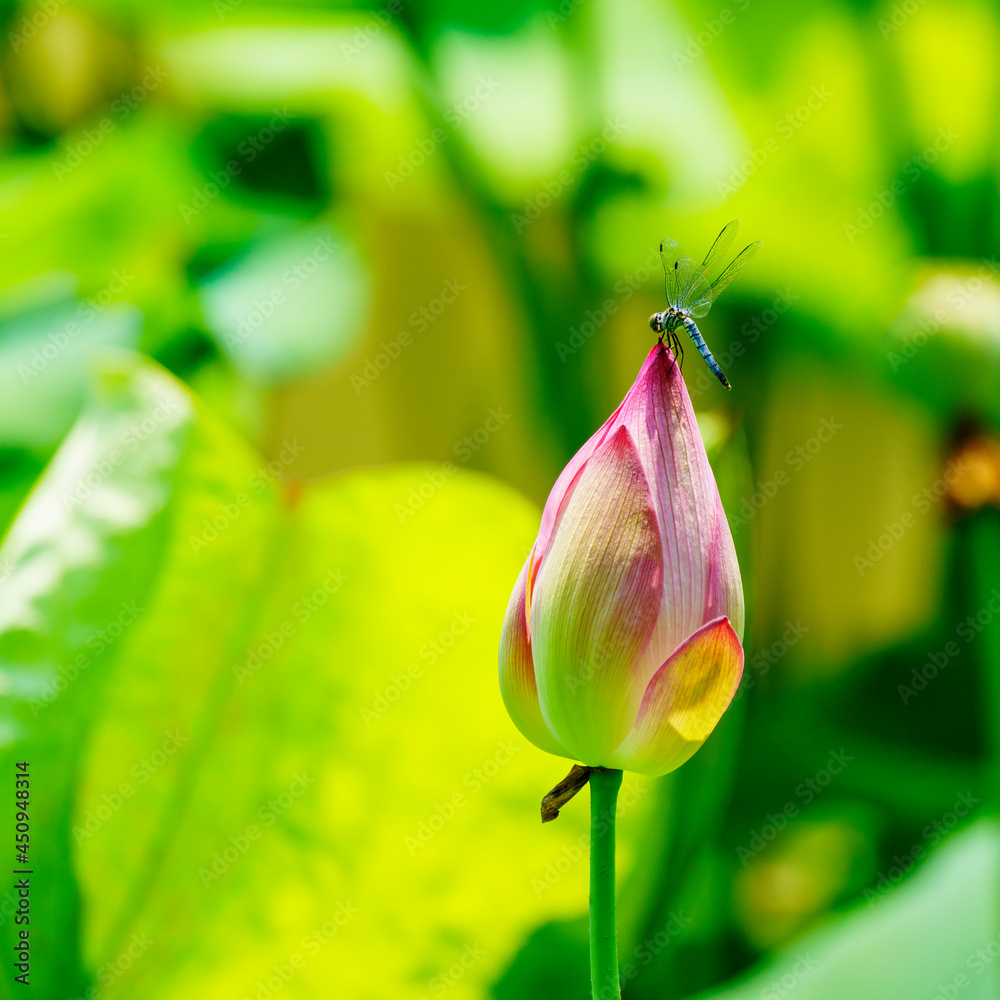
<point x="302" y="309"/>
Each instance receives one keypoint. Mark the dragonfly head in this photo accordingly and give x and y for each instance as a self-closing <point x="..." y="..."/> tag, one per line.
<point x="658" y="322"/>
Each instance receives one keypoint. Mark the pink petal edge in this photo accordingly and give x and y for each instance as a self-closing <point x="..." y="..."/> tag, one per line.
<point x="684" y="701"/>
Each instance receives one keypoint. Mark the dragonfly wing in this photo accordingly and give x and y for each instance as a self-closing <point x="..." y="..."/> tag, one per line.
<point x="743" y="258"/>
<point x="697" y="297"/>
<point x="692" y="284"/>
<point x="701" y="305"/>
<point x="671" y="255"/>
<point x="719" y="249"/>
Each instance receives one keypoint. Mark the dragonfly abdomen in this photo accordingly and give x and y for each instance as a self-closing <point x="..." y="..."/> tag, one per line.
<point x="699" y="341"/>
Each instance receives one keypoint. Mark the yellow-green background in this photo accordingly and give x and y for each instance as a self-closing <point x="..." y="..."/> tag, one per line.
<point x="255" y="566"/>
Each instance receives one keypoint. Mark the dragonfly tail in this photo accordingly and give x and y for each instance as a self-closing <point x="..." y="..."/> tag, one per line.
<point x="699" y="341"/>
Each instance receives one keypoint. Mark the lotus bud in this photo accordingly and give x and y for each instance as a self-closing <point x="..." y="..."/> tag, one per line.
<point x="621" y="645"/>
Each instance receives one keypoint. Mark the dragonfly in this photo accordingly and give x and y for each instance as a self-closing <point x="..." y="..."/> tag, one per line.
<point x="692" y="290"/>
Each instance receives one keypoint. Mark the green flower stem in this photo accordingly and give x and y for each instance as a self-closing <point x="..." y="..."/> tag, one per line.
<point x="604" y="785"/>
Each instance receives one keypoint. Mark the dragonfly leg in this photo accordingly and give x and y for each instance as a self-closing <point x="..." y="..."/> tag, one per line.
<point x="670" y="339"/>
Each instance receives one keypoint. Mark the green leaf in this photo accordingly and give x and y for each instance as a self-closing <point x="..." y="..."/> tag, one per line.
<point x="82" y="550"/>
<point x="293" y="304"/>
<point x="45" y="360"/>
<point x="294" y="761"/>
<point x="938" y="931"/>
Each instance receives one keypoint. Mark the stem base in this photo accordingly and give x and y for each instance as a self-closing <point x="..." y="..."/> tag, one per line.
<point x="604" y="785"/>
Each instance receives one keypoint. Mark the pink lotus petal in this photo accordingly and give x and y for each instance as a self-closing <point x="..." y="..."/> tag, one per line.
<point x="684" y="701"/>
<point x="517" y="674"/>
<point x="701" y="574"/>
<point x="563" y="485"/>
<point x="595" y="601"/>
